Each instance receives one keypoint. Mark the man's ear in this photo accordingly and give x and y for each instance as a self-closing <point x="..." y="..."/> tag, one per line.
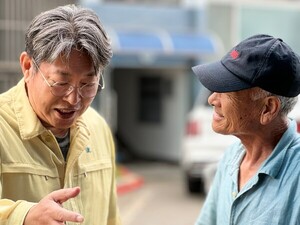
<point x="26" y="65"/>
<point x="270" y="110"/>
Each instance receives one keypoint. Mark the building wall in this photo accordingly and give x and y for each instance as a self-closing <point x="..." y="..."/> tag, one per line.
<point x="233" y="21"/>
<point x="281" y="19"/>
<point x="138" y="16"/>
<point x="155" y="134"/>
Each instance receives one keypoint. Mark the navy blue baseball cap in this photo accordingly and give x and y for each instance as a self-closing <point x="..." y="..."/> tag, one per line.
<point x="258" y="61"/>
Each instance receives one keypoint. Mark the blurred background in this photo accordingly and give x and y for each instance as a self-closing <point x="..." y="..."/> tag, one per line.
<point x="166" y="151"/>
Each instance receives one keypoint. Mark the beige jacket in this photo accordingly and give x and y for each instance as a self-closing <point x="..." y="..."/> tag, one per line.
<point x="32" y="165"/>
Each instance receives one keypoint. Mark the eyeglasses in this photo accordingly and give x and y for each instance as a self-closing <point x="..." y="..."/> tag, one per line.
<point x="60" y="89"/>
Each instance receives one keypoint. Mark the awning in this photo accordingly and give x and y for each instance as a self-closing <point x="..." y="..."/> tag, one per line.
<point x="163" y="43"/>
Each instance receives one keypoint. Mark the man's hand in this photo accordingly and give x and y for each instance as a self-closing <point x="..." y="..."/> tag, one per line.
<point x="50" y="211"/>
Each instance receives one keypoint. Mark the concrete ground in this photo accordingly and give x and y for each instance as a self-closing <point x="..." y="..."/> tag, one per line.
<point x="160" y="196"/>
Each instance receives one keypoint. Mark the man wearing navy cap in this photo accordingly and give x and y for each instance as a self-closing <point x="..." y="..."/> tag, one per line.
<point x="255" y="86"/>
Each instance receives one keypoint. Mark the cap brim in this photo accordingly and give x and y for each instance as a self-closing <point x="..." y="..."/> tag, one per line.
<point x="217" y="78"/>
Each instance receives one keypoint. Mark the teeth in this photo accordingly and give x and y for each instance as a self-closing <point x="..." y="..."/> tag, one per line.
<point x="66" y="111"/>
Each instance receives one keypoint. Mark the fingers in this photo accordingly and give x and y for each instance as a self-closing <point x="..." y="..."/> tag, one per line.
<point x="63" y="195"/>
<point x="66" y="215"/>
<point x="50" y="211"/>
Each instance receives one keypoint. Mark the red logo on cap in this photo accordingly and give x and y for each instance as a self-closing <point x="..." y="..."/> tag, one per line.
<point x="234" y="54"/>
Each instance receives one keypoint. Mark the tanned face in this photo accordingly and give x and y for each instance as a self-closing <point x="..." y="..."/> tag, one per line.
<point x="235" y="113"/>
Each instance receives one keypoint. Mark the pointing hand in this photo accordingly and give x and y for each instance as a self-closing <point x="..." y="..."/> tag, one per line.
<point x="50" y="211"/>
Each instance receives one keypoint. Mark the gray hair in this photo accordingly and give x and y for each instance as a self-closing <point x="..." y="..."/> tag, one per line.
<point x="287" y="103"/>
<point x="58" y="31"/>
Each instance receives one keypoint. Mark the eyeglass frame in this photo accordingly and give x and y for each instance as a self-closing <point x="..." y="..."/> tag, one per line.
<point x="102" y="86"/>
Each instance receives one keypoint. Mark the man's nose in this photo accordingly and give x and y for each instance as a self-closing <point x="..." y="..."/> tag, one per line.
<point x="74" y="96"/>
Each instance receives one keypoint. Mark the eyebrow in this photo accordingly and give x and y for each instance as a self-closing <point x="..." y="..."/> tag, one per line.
<point x="65" y="74"/>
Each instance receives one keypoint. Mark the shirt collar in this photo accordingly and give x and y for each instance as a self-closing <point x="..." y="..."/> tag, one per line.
<point x="29" y="124"/>
<point x="274" y="162"/>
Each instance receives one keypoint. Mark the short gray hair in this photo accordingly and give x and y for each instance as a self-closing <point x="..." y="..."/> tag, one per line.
<point x="62" y="29"/>
<point x="287" y="103"/>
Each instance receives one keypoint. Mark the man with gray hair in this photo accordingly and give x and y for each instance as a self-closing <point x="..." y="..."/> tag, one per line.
<point x="57" y="153"/>
<point x="255" y="85"/>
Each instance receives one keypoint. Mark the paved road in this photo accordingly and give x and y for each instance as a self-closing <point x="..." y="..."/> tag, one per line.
<point x="162" y="200"/>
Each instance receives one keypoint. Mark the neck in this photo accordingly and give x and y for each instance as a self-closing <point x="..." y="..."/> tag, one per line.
<point x="62" y="135"/>
<point x="259" y="147"/>
<point x="59" y="133"/>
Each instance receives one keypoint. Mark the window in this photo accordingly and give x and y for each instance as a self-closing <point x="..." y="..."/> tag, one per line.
<point x="150" y="99"/>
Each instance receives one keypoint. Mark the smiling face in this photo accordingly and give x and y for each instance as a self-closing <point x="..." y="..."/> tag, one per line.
<point x="236" y="113"/>
<point x="58" y="113"/>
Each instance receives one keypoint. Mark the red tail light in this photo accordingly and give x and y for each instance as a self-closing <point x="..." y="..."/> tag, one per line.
<point x="192" y="128"/>
<point x="298" y="126"/>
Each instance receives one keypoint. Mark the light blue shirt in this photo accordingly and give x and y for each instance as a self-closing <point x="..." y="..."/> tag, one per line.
<point x="271" y="197"/>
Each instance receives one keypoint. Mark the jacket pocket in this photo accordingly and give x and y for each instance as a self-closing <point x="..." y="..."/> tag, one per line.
<point x="29" y="182"/>
<point x="95" y="165"/>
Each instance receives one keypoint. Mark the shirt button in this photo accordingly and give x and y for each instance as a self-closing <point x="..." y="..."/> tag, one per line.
<point x="233" y="194"/>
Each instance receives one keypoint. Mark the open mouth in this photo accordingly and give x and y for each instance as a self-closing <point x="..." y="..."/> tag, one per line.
<point x="66" y="114"/>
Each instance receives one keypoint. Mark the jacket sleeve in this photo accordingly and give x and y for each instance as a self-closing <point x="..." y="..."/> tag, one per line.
<point x="13" y="213"/>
